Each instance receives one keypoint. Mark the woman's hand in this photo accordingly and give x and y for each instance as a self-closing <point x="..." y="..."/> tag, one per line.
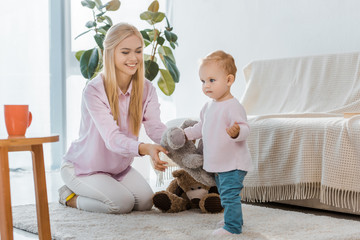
<point x="233" y="131"/>
<point x="153" y="151"/>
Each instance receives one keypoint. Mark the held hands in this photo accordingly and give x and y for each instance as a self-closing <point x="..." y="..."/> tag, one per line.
<point x="234" y="130"/>
<point x="153" y="151"/>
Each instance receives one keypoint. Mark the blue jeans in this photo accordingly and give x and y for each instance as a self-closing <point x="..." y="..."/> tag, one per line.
<point x="229" y="185"/>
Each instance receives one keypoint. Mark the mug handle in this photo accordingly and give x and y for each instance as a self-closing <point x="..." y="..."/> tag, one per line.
<point x="30" y="119"/>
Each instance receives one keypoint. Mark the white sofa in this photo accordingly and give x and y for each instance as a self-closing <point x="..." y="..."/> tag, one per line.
<point x="304" y="151"/>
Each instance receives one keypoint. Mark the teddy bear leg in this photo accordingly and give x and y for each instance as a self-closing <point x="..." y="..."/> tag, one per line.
<point x="211" y="203"/>
<point x="169" y="203"/>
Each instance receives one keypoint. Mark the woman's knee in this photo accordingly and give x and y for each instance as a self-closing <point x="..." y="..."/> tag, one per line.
<point x="121" y="204"/>
<point x="145" y="205"/>
<point x="144" y="201"/>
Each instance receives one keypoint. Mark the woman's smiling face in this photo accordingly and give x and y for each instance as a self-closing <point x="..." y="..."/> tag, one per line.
<point x="128" y="56"/>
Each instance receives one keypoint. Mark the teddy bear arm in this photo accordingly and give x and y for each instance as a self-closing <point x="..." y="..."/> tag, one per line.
<point x="175" y="188"/>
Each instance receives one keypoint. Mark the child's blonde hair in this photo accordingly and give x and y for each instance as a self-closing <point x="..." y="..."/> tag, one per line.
<point x="114" y="36"/>
<point x="225" y="60"/>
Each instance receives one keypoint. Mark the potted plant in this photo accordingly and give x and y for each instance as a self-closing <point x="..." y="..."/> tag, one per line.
<point x="91" y="59"/>
<point x="155" y="38"/>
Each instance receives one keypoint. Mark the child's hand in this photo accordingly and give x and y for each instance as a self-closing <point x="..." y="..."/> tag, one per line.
<point x="234" y="130"/>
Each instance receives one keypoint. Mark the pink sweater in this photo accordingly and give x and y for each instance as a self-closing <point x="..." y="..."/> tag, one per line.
<point x="102" y="145"/>
<point x="221" y="152"/>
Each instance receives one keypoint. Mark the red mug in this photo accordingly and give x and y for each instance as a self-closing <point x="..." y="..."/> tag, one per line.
<point x="17" y="119"/>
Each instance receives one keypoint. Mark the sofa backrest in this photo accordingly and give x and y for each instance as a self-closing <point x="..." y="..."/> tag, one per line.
<point x="324" y="83"/>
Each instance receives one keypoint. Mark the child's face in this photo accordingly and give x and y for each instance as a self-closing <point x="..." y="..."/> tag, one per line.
<point x="215" y="82"/>
<point x="128" y="56"/>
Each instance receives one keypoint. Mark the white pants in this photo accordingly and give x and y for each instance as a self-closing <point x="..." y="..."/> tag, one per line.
<point x="102" y="193"/>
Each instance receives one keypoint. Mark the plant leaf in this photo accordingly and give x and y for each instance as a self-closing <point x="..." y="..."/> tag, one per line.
<point x="105" y="27"/>
<point x="100" y="14"/>
<point x="147" y="42"/>
<point x="146" y="15"/>
<point x="170" y="36"/>
<point x="108" y="19"/>
<point x="88" y="62"/>
<point x="100" y="19"/>
<point x="154" y="6"/>
<point x="102" y="31"/>
<point x="145" y="35"/>
<point x="151" y="35"/>
<point x="148" y="57"/>
<point x="99" y="39"/>
<point x="164" y="50"/>
<point x="90" y="24"/>
<point x="113" y="5"/>
<point x="166" y="82"/>
<point x="78" y="54"/>
<point x="160" y="40"/>
<point x="151" y="69"/>
<point x="157" y="17"/>
<point x="171" y="66"/>
<point x="168" y="27"/>
<point x="98" y="4"/>
<point x="88" y="3"/>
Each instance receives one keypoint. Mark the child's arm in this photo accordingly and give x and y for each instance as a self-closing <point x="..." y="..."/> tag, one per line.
<point x="233" y="131"/>
<point x="240" y="129"/>
<point x="195" y="132"/>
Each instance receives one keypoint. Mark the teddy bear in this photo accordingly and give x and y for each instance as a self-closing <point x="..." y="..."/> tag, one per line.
<point x="186" y="154"/>
<point x="184" y="193"/>
<point x="192" y="186"/>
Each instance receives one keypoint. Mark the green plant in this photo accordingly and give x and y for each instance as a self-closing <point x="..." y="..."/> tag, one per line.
<point x="156" y="39"/>
<point x="91" y="60"/>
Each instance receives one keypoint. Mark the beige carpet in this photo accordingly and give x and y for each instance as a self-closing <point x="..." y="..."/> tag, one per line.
<point x="260" y="223"/>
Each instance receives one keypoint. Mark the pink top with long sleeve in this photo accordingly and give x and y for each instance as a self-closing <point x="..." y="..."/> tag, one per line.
<point x="221" y="152"/>
<point x="102" y="145"/>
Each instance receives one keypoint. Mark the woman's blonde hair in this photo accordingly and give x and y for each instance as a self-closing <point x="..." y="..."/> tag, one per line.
<point x="225" y="60"/>
<point x="116" y="34"/>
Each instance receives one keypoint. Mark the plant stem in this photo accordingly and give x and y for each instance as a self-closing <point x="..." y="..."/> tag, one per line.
<point x="153" y="46"/>
<point x="95" y="21"/>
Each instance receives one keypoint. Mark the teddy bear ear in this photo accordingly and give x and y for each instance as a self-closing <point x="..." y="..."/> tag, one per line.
<point x="176" y="138"/>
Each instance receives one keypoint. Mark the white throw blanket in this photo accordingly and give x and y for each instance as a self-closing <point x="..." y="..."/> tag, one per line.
<point x="301" y="145"/>
<point x="325" y="83"/>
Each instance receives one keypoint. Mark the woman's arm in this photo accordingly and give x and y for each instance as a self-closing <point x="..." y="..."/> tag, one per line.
<point x="151" y="119"/>
<point x="153" y="151"/>
<point x="96" y="104"/>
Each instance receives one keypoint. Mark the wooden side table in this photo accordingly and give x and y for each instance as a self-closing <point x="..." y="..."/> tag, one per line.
<point x="33" y="144"/>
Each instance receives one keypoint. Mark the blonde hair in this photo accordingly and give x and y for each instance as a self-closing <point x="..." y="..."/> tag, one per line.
<point x="114" y="36"/>
<point x="225" y="60"/>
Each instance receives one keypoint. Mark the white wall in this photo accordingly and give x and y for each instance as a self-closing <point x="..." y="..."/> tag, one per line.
<point x="256" y="29"/>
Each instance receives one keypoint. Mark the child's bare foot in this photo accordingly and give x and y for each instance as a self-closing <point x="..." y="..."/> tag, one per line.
<point x="220" y="224"/>
<point x="220" y="232"/>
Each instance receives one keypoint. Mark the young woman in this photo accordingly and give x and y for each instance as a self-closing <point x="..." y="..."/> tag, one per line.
<point x="97" y="167"/>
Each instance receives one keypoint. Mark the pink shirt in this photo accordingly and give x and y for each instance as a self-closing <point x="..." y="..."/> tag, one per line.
<point x="102" y="145"/>
<point x="221" y="152"/>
